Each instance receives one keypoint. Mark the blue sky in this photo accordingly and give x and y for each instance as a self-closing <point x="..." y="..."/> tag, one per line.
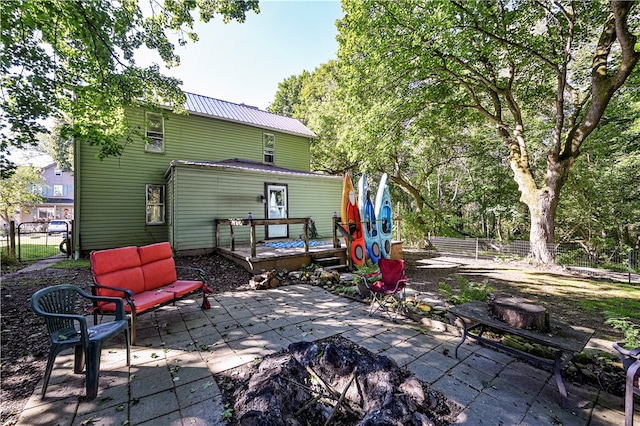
<point x="244" y="63"/>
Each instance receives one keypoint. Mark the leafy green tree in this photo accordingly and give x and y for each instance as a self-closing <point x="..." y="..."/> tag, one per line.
<point x="321" y="108"/>
<point x="288" y="95"/>
<point x="18" y="191"/>
<point x="59" y="148"/>
<point x="608" y="173"/>
<point x="540" y="74"/>
<point x="421" y="155"/>
<point x="313" y="99"/>
<point x="73" y="61"/>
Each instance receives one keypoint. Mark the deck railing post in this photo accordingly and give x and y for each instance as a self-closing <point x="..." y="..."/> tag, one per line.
<point x="232" y="236"/>
<point x="306" y="235"/>
<point x="252" y="238"/>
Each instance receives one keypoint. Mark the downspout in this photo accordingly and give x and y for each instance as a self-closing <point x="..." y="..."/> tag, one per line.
<point x="170" y="178"/>
<point x="76" y="199"/>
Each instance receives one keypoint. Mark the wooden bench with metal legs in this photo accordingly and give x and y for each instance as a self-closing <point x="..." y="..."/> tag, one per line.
<point x="565" y="339"/>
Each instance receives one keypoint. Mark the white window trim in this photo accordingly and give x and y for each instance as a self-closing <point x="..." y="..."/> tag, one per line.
<point x="268" y="151"/>
<point x="153" y="135"/>
<point x="152" y="205"/>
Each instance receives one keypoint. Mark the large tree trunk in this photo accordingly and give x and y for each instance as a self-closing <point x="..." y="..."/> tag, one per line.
<point x="542" y="202"/>
<point x="541" y="234"/>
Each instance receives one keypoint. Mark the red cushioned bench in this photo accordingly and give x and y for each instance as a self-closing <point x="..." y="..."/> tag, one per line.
<point x="146" y="277"/>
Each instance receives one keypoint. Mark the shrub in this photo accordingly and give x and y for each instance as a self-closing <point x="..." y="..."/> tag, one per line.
<point x="8" y="259"/>
<point x="630" y="329"/>
<point x="467" y="291"/>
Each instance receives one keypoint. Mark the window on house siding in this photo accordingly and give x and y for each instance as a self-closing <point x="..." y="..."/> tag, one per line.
<point x="57" y="190"/>
<point x="155" y="205"/>
<point x="45" y="213"/>
<point x="38" y="189"/>
<point x="269" y="146"/>
<point x="154" y="132"/>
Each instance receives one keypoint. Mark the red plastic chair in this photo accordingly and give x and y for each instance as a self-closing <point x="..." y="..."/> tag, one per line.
<point x="389" y="291"/>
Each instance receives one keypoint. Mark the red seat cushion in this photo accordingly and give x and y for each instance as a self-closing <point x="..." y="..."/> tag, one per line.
<point x="180" y="288"/>
<point x="386" y="288"/>
<point x="143" y="301"/>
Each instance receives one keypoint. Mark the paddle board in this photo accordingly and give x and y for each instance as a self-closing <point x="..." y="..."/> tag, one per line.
<point x="368" y="216"/>
<point x="383" y="214"/>
<point x="351" y="221"/>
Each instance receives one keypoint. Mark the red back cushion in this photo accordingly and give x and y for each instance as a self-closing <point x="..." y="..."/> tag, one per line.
<point x="154" y="252"/>
<point x="158" y="274"/>
<point x="104" y="261"/>
<point x="158" y="266"/>
<point x="130" y="279"/>
<point x="118" y="267"/>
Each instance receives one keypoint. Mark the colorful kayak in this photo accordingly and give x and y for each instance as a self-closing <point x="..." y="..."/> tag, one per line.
<point x="383" y="215"/>
<point x="351" y="221"/>
<point x="368" y="216"/>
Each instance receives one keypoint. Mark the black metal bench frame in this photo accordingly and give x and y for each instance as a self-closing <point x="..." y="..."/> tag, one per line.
<point x="563" y="338"/>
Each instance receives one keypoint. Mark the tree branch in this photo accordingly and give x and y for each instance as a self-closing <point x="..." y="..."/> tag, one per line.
<point x="605" y="84"/>
<point x="506" y="41"/>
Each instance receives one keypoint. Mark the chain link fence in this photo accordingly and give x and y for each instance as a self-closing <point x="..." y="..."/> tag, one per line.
<point x="566" y="254"/>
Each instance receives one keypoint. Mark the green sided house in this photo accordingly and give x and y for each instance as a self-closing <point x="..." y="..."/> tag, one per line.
<point x="221" y="161"/>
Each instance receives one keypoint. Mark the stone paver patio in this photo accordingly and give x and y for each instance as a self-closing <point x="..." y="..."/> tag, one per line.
<point x="179" y="349"/>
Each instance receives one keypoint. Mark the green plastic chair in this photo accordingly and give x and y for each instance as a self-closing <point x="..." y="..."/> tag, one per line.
<point x="64" y="308"/>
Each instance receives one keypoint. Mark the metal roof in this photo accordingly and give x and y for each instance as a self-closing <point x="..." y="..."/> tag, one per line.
<point x="245" y="114"/>
<point x="243" y="164"/>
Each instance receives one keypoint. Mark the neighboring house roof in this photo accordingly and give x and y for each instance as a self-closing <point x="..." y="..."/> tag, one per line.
<point x="57" y="201"/>
<point x="245" y="114"/>
<point x="240" y="163"/>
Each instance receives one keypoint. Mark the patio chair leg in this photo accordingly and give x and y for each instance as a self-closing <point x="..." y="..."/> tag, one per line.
<point x="632" y="375"/>
<point x="376" y="304"/>
<point x="133" y="328"/>
<point x="78" y="360"/>
<point x="93" y="370"/>
<point x="47" y="372"/>
<point x="128" y="345"/>
<point x="379" y="304"/>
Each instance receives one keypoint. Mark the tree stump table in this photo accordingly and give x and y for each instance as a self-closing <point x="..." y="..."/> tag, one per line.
<point x="565" y="339"/>
<point x="520" y="313"/>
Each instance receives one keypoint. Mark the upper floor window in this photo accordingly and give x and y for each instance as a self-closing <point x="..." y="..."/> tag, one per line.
<point x="154" y="130"/>
<point x="57" y="190"/>
<point x="57" y="172"/>
<point x="155" y="205"/>
<point x="269" y="147"/>
<point x="38" y="189"/>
